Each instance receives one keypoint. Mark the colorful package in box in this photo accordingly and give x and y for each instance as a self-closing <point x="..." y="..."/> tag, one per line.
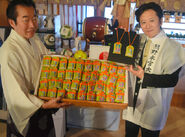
<point x="52" y="83"/>
<point x="88" y="65"/>
<point x="77" y="74"/>
<point x="75" y="84"/>
<point x="52" y="92"/>
<point x="79" y="64"/>
<point x="104" y="66"/>
<point x="86" y="76"/>
<point x="59" y="83"/>
<point x="69" y="74"/>
<point x="94" y="75"/>
<point x="71" y="63"/>
<point x="96" y="65"/>
<point x="100" y="96"/>
<point x="119" y="97"/>
<point x="120" y="85"/>
<point x="61" y="93"/>
<point x="81" y="95"/>
<point x="112" y="63"/>
<point x="121" y="71"/>
<point x="91" y="85"/>
<point x="110" y="97"/>
<point x="46" y="61"/>
<point x="104" y="76"/>
<point x="100" y="86"/>
<point x="43" y="92"/>
<point x="83" y="86"/>
<point x="112" y="69"/>
<point x="61" y="73"/>
<point x="67" y="84"/>
<point x="43" y="83"/>
<point x="71" y="94"/>
<point x="112" y="78"/>
<point x="110" y="88"/>
<point x="44" y="73"/>
<point x="91" y="96"/>
<point x="63" y="63"/>
<point x="53" y="72"/>
<point x="54" y="62"/>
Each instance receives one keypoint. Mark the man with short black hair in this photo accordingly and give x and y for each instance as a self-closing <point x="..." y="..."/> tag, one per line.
<point x="20" y="67"/>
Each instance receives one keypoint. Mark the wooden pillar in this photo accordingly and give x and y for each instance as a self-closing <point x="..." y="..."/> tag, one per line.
<point x="3" y="18"/>
<point x="123" y="14"/>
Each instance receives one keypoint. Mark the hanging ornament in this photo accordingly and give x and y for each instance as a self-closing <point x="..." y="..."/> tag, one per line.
<point x="57" y="1"/>
<point x="177" y="5"/>
<point x="92" y="1"/>
<point x="130" y="48"/>
<point x="162" y="3"/>
<point x="121" y="2"/>
<point x="71" y="2"/>
<point x="118" y="45"/>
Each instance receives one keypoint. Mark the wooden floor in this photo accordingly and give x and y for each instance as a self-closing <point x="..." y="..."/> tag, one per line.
<point x="175" y="127"/>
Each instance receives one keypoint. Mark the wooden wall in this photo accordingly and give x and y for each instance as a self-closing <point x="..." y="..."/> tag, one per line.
<point x="3" y="19"/>
<point x="178" y="99"/>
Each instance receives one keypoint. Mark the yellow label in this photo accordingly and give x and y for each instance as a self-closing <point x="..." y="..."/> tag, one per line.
<point x="129" y="51"/>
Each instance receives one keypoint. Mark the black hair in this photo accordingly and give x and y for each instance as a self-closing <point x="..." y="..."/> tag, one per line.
<point x="148" y="6"/>
<point x="11" y="12"/>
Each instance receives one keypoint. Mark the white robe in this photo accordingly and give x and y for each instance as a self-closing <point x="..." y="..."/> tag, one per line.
<point x="153" y="103"/>
<point x="20" y="64"/>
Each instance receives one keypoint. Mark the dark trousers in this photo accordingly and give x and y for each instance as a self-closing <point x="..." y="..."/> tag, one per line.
<point x="132" y="130"/>
<point x="40" y="125"/>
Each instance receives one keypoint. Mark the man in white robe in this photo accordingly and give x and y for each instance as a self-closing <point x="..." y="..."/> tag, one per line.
<point x="20" y="64"/>
<point x="152" y="83"/>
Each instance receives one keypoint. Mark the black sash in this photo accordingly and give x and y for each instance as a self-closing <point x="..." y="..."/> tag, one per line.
<point x="138" y="83"/>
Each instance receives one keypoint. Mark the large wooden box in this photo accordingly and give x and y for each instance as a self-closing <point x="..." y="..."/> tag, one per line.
<point x="85" y="103"/>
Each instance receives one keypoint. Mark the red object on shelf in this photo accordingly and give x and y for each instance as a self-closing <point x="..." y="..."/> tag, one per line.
<point x="94" y="28"/>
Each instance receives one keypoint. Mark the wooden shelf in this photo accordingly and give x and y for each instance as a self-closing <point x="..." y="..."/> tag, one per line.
<point x="46" y="31"/>
<point x="84" y="103"/>
<point x="175" y="22"/>
<point x="178" y="99"/>
<point x="173" y="29"/>
<point x="3" y="6"/>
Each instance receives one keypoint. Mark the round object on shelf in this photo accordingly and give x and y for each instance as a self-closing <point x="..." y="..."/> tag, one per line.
<point x="49" y="39"/>
<point x="80" y="55"/>
<point x="66" y="31"/>
<point x="94" y="28"/>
